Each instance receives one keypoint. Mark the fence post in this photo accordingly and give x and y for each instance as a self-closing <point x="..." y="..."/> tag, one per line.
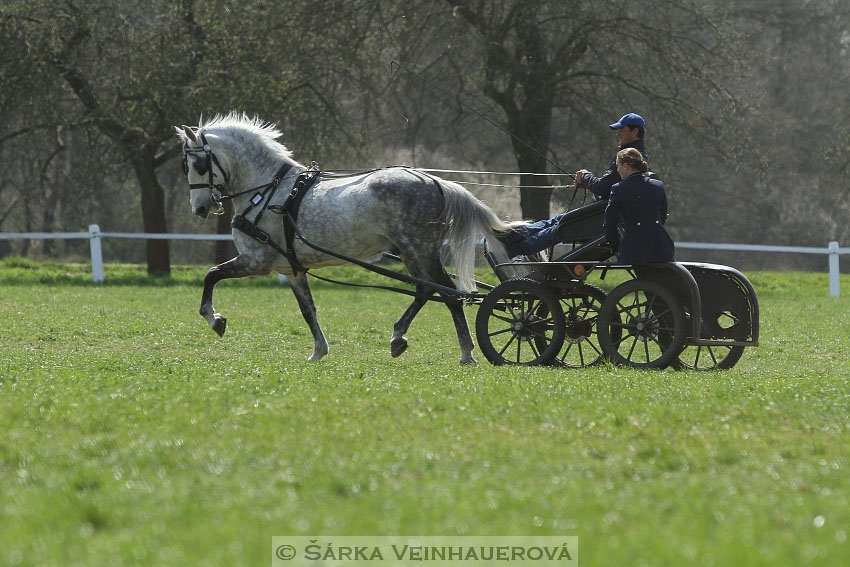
<point x="834" y="282"/>
<point x="96" y="254"/>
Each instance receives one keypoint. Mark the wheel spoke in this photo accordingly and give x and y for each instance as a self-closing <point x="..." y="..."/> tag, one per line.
<point x="563" y="357"/>
<point x="632" y="349"/>
<point x="536" y="333"/>
<point x="503" y="331"/>
<point x="623" y="338"/>
<point x="650" y="301"/>
<point x="504" y="318"/>
<point x="696" y="359"/>
<point x="513" y="337"/>
<point x="658" y="316"/>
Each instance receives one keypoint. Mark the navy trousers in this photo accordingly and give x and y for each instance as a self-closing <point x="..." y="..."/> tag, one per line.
<point x="533" y="237"/>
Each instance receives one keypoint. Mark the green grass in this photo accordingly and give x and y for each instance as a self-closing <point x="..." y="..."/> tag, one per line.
<point x="130" y="434"/>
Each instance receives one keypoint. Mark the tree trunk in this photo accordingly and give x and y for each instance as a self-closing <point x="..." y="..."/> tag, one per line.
<point x="533" y="124"/>
<point x="533" y="202"/>
<point x="153" y="213"/>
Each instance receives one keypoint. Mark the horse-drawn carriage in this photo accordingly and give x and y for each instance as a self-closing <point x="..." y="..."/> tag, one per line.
<point x="543" y="312"/>
<point x="686" y="315"/>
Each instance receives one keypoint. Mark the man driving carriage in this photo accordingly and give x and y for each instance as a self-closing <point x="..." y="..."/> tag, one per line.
<point x="541" y="235"/>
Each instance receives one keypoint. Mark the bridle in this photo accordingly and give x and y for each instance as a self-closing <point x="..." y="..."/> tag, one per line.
<point x="217" y="195"/>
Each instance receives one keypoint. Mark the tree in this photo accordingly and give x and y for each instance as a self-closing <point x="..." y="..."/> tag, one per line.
<point x="585" y="59"/>
<point x="103" y="52"/>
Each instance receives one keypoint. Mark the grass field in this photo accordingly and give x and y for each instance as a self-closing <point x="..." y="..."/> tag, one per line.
<point x="130" y="434"/>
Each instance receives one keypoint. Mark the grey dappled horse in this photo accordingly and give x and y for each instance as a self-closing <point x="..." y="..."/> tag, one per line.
<point x="359" y="216"/>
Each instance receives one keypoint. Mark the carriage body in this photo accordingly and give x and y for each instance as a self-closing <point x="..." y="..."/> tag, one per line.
<point x="679" y="314"/>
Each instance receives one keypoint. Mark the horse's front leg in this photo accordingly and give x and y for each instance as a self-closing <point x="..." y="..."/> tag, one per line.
<point x="308" y="310"/>
<point x="238" y="267"/>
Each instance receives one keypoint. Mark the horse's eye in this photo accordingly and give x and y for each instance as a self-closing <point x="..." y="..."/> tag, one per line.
<point x="200" y="166"/>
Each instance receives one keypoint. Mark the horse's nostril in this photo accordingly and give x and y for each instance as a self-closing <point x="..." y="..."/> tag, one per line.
<point x="201" y="212"/>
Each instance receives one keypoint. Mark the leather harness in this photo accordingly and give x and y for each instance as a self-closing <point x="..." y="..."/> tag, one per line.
<point x="262" y="194"/>
<point x="288" y="210"/>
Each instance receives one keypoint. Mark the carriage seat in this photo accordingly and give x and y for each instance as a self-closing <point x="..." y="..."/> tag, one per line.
<point x="583" y="223"/>
<point x="584" y="229"/>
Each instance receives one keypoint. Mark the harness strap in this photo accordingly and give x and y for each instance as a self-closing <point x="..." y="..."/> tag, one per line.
<point x="242" y="224"/>
<point x="290" y="207"/>
<point x="289" y="210"/>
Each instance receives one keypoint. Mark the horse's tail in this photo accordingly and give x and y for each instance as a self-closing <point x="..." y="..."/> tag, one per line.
<point x="466" y="219"/>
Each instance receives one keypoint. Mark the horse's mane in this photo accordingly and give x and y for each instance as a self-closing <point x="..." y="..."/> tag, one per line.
<point x="241" y="122"/>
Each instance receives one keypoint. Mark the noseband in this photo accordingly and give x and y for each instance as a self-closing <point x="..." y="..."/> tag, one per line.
<point x="216" y="190"/>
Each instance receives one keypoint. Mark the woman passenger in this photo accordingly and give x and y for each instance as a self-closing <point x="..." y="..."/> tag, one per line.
<point x="640" y="204"/>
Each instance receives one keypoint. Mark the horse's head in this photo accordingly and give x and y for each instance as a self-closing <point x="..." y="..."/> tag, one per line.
<point x="226" y="153"/>
<point x="205" y="172"/>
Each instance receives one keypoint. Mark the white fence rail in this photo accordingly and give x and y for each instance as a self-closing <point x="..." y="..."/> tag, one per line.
<point x="94" y="235"/>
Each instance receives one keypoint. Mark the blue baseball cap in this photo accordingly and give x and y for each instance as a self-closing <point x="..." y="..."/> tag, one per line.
<point x="630" y="119"/>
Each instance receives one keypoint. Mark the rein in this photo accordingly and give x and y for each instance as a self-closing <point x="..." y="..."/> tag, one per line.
<point x="289" y="211"/>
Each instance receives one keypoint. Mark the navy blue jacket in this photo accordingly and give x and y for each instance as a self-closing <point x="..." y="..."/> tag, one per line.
<point x="641" y="204"/>
<point x="601" y="186"/>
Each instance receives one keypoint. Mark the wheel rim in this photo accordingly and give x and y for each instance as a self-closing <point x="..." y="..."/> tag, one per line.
<point x="520" y="322"/>
<point x="641" y="325"/>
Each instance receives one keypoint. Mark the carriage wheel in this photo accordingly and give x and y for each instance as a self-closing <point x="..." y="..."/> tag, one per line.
<point x="520" y="322"/>
<point x="641" y="324"/>
<point x="714" y="357"/>
<point x="709" y="357"/>
<point x="581" y="311"/>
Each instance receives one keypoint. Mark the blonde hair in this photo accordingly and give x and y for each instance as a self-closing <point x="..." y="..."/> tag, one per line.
<point x="632" y="158"/>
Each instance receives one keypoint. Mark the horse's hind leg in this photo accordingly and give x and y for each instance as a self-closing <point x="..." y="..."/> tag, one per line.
<point x="238" y="267"/>
<point x="435" y="273"/>
<point x="398" y="342"/>
<point x="464" y="338"/>
<point x="308" y="310"/>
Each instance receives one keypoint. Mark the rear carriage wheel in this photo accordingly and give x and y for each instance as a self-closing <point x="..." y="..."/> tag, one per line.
<point x="581" y="311"/>
<point x="641" y="324"/>
<point x="520" y="322"/>
<point x="712" y="357"/>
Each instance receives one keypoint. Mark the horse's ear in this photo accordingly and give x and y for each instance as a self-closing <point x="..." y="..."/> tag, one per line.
<point x="190" y="134"/>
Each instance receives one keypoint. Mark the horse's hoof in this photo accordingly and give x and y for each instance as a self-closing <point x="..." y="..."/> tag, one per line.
<point x="398" y="346"/>
<point x="220" y="325"/>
